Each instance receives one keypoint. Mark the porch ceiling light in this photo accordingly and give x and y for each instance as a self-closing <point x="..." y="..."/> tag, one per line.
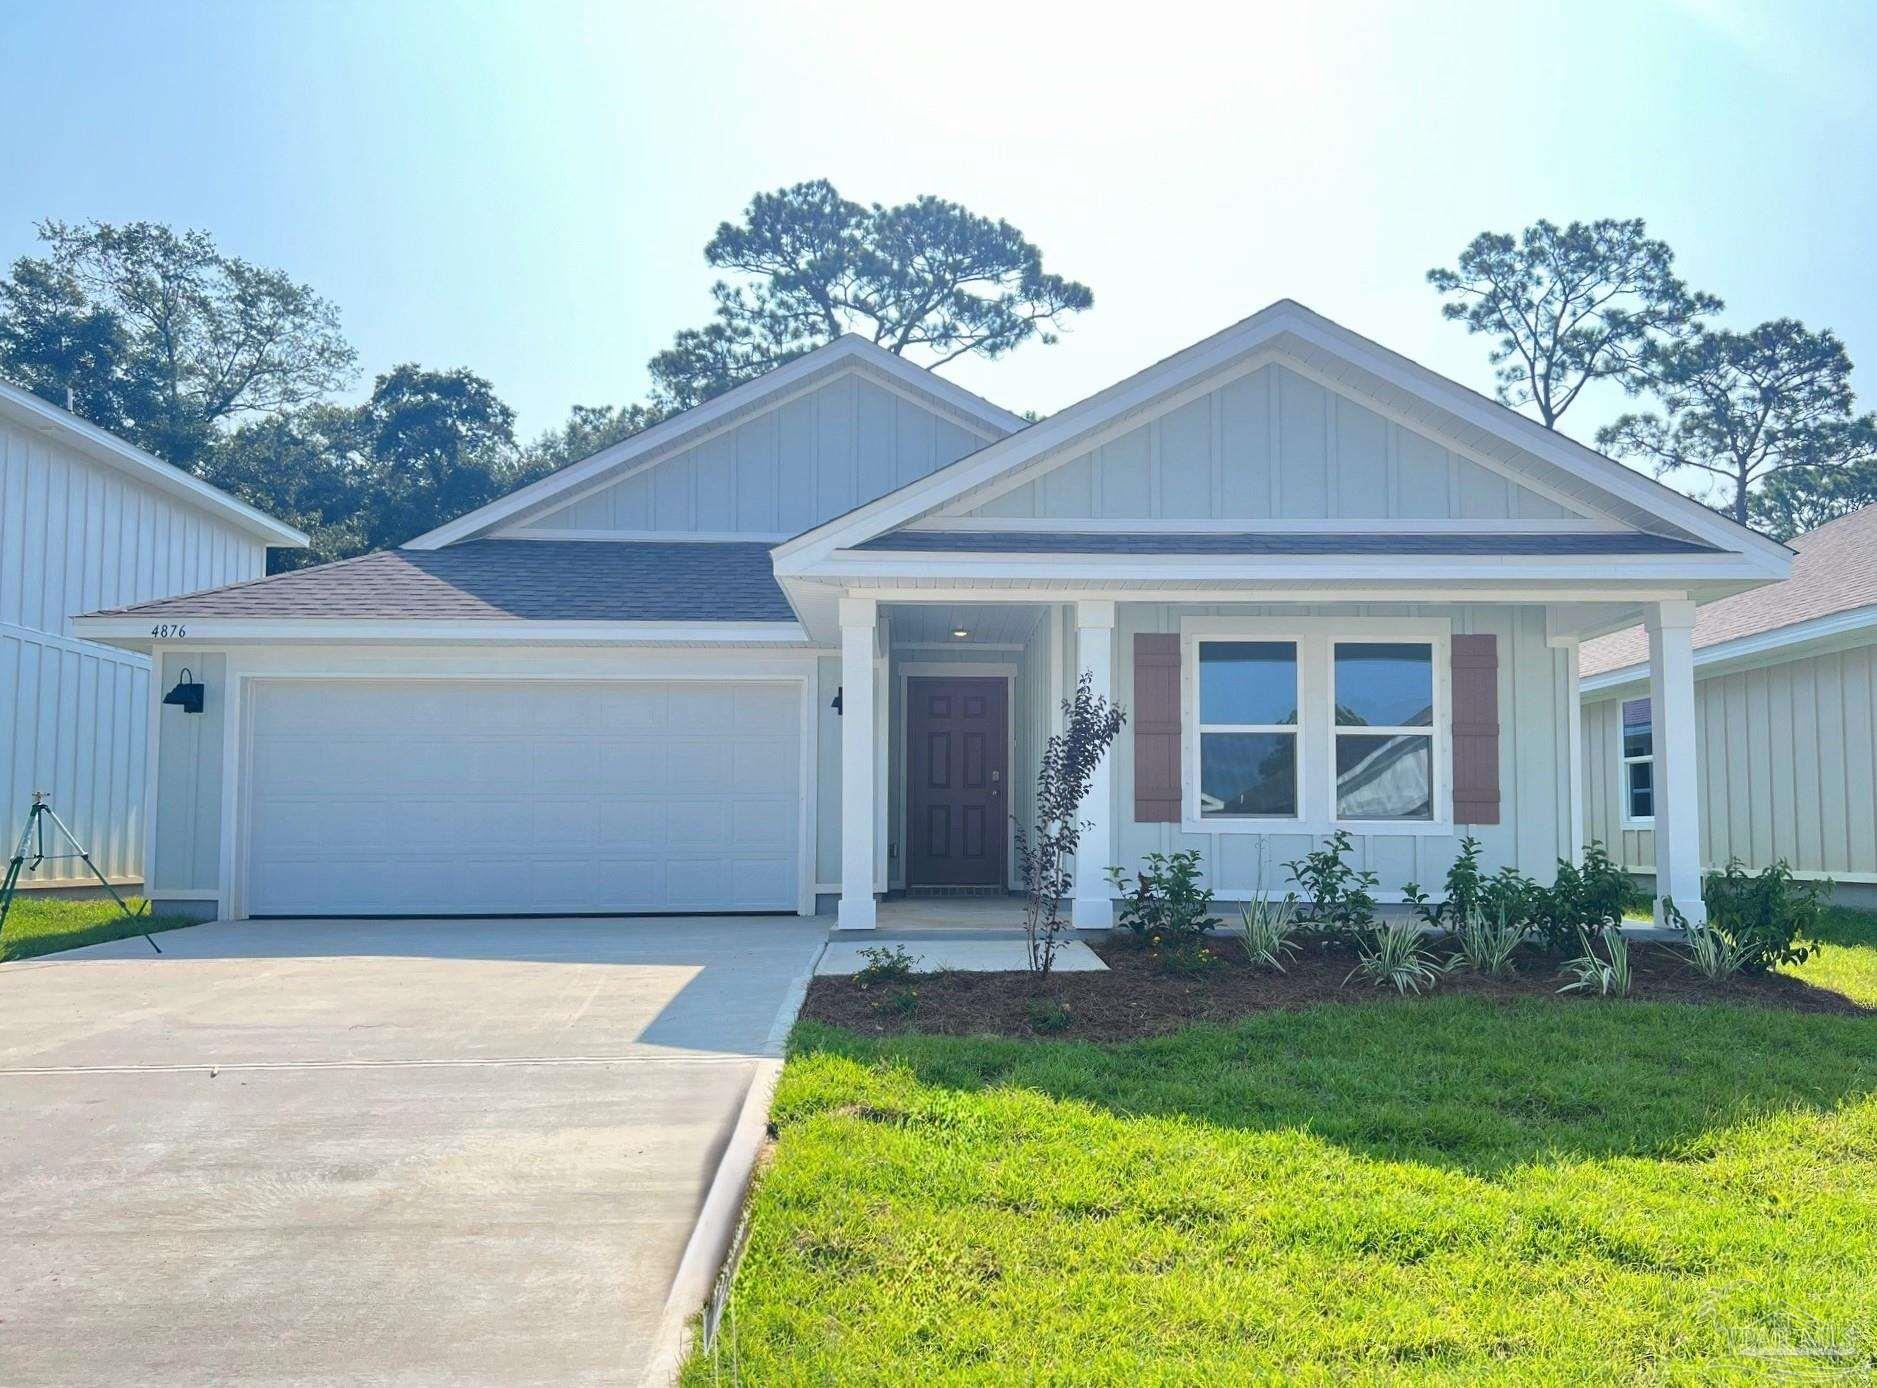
<point x="960" y="633"/>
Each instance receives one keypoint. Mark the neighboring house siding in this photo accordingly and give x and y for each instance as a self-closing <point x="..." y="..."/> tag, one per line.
<point x="1534" y="728"/>
<point x="77" y="535"/>
<point x="1788" y="761"/>
<point x="1269" y="445"/>
<point x="783" y="471"/>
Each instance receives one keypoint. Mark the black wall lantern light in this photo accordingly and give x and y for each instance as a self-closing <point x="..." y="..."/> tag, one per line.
<point x="187" y="695"/>
<point x="835" y="702"/>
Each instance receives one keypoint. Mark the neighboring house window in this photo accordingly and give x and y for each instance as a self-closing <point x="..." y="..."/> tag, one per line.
<point x="1248" y="729"/>
<point x="1638" y="762"/>
<point x="1303" y="726"/>
<point x="1386" y="770"/>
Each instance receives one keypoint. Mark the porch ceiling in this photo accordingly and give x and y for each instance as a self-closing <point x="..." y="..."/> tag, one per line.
<point x="986" y="624"/>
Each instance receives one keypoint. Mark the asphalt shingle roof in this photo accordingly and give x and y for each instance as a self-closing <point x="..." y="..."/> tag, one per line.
<point x="1366" y="542"/>
<point x="1835" y="571"/>
<point x="536" y="580"/>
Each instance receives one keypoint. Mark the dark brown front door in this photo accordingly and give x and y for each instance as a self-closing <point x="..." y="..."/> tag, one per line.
<point x="957" y="805"/>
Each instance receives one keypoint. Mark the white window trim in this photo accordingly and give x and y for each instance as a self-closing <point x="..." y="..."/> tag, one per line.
<point x="1316" y="639"/>
<point x="1624" y="761"/>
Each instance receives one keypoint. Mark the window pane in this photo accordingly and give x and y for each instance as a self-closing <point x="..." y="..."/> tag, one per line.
<point x="1248" y="682"/>
<point x="1248" y="774"/>
<point x="1638" y="732"/>
<point x="1384" y="777"/>
<point x="1384" y="684"/>
<point x="1641" y="789"/>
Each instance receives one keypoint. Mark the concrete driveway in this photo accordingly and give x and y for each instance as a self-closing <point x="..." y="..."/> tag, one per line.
<point x="386" y="1151"/>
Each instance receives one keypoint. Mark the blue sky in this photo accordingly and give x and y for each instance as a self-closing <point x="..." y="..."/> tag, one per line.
<point x="524" y="189"/>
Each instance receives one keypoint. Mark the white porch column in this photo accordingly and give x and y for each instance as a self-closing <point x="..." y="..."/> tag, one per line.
<point x="859" y="787"/>
<point x="1094" y="898"/>
<point x="1574" y="749"/>
<point x="1677" y="780"/>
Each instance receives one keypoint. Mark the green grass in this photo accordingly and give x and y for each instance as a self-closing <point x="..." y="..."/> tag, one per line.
<point x="1445" y="1191"/>
<point x="42" y="925"/>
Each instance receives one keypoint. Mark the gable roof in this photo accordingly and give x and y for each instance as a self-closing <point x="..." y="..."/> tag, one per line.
<point x="527" y="580"/>
<point x="848" y="353"/>
<point x="42" y="416"/>
<point x="1835" y="573"/>
<point x="1461" y="418"/>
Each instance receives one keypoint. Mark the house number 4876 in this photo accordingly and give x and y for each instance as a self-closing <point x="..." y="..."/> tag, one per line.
<point x="165" y="631"/>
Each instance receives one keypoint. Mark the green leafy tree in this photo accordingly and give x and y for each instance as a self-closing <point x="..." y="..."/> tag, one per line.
<point x="58" y="344"/>
<point x="439" y="444"/>
<point x="165" y="335"/>
<point x="1745" y="408"/>
<point x="928" y="277"/>
<point x="1791" y="502"/>
<point x="1566" y="306"/>
<point x="309" y="467"/>
<point x="589" y="428"/>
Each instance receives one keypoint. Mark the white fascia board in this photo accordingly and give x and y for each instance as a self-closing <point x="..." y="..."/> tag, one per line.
<point x="1836" y="629"/>
<point x="105" y="447"/>
<point x="134" y="633"/>
<point x="1117" y="406"/>
<point x="1394" y="525"/>
<point x="685" y="430"/>
<point x="858" y="566"/>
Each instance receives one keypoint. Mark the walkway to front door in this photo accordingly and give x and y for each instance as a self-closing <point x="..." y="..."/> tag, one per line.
<point x="957" y="770"/>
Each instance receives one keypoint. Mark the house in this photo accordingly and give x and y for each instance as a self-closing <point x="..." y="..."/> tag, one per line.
<point x="86" y="521"/>
<point x="1785" y="722"/>
<point x="802" y="645"/>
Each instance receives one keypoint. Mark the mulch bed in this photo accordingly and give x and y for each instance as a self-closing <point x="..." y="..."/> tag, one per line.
<point x="1139" y="996"/>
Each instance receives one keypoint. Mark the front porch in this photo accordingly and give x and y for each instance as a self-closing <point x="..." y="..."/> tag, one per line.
<point x="1408" y="725"/>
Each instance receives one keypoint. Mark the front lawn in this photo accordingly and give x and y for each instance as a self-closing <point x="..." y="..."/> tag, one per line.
<point x="1449" y="1189"/>
<point x="42" y="925"/>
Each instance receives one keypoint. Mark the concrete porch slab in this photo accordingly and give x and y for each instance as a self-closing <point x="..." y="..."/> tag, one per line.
<point x="985" y="954"/>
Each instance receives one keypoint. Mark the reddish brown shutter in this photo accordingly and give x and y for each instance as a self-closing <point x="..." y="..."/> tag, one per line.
<point x="1156" y="720"/>
<point x="1476" y="729"/>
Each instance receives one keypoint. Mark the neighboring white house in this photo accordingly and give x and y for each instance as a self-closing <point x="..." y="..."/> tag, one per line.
<point x="86" y="520"/>
<point x="804" y="643"/>
<point x="1785" y="721"/>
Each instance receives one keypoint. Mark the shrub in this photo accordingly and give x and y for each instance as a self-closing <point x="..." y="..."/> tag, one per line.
<point x="1047" y="1015"/>
<point x="1166" y="907"/>
<point x="900" y="1002"/>
<point x="1715" y="957"/>
<point x="1767" y="916"/>
<point x="1337" y="897"/>
<point x="1396" y="954"/>
<point x="1266" y="927"/>
<point x="886" y="964"/>
<point x="1608" y="974"/>
<point x="1044" y="849"/>
<point x="1487" y="944"/>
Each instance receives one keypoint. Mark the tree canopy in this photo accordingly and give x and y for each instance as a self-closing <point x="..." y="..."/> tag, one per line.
<point x="162" y="337"/>
<point x="1745" y="408"/>
<point x="1566" y="306"/>
<point x="928" y="277"/>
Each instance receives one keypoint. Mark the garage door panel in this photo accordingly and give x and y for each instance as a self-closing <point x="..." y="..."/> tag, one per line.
<point x="699" y="826"/>
<point x="437" y="797"/>
<point x="709" y="710"/>
<point x="693" y="762"/>
<point x="763" y="826"/>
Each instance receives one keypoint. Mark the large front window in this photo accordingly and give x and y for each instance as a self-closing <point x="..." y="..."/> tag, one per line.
<point x="1248" y="729"/>
<point x="1315" y="723"/>
<point x="1386" y="691"/>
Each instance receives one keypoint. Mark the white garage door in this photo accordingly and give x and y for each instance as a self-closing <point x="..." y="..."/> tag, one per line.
<point x="431" y="797"/>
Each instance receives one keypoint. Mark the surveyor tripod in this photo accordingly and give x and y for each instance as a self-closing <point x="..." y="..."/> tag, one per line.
<point x="31" y="852"/>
